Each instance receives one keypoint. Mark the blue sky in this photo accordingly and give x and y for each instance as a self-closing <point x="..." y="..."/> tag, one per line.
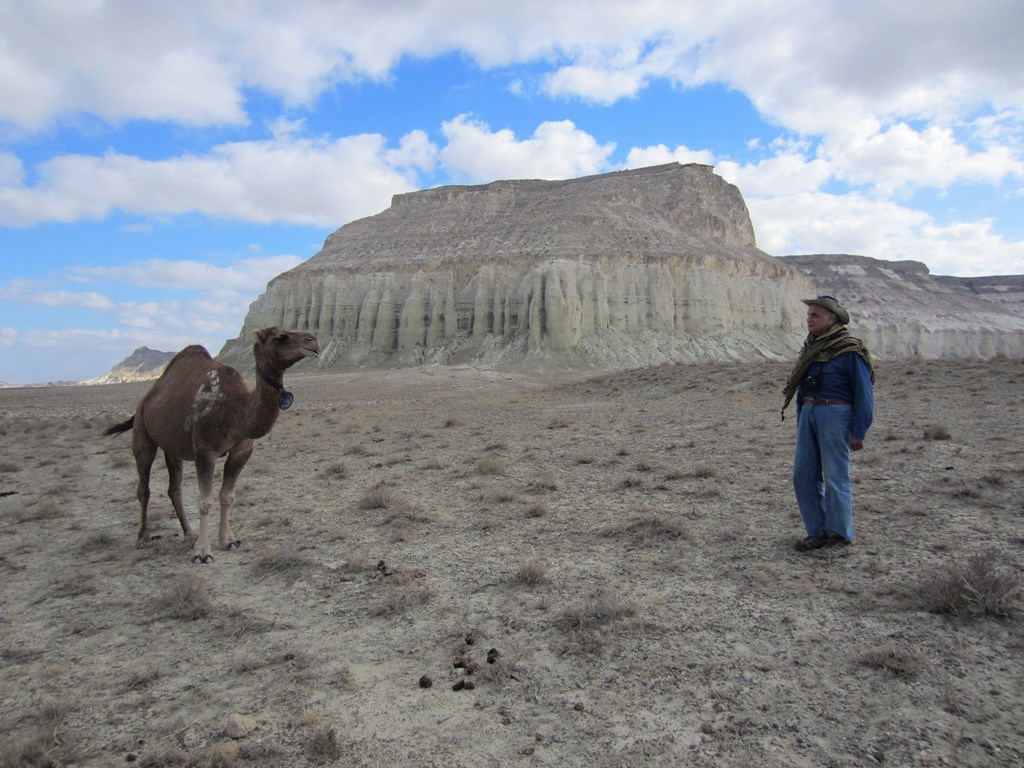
<point x="160" y="162"/>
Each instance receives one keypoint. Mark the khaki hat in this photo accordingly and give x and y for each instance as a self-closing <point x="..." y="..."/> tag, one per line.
<point x="833" y="306"/>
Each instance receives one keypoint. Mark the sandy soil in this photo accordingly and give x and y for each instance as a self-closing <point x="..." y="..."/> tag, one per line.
<point x="621" y="541"/>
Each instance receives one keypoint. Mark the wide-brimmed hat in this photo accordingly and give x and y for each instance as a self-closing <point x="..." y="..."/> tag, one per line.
<point x="833" y="306"/>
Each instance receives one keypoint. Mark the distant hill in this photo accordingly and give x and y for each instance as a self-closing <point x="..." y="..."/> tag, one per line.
<point x="143" y="364"/>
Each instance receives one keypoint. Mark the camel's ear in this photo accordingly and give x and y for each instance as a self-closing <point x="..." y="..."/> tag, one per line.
<point x="263" y="334"/>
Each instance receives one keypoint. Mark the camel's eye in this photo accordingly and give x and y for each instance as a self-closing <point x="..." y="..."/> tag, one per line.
<point x="281" y="338"/>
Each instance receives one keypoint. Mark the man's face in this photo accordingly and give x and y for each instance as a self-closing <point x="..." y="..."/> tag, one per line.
<point x="819" y="320"/>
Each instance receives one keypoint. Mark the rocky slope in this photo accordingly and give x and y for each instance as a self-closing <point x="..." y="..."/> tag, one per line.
<point x="621" y="269"/>
<point x="901" y="310"/>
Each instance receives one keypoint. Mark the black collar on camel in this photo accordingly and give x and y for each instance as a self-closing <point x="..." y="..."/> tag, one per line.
<point x="284" y="397"/>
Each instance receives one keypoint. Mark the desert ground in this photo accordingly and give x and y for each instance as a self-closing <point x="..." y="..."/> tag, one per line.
<point x="457" y="567"/>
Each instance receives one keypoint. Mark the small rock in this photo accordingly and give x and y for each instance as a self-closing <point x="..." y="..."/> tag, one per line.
<point x="239" y="726"/>
<point x="458" y="685"/>
<point x="579" y="706"/>
<point x="426" y="682"/>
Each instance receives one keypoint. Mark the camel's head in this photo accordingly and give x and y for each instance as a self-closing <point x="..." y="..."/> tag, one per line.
<point x="276" y="348"/>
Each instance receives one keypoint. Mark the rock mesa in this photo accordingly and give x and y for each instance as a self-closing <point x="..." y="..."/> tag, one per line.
<point x="621" y="269"/>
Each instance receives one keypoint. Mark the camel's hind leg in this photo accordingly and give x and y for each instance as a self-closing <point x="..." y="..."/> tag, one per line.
<point x="144" y="457"/>
<point x="237" y="459"/>
<point x="174" y="475"/>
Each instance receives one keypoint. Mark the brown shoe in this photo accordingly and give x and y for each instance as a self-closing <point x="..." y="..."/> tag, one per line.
<point x="808" y="543"/>
<point x="835" y="541"/>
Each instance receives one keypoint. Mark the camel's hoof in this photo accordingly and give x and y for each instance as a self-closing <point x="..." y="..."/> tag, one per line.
<point x="236" y="544"/>
<point x="202" y="559"/>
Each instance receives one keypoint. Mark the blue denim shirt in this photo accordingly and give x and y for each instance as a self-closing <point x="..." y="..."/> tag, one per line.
<point x="845" y="377"/>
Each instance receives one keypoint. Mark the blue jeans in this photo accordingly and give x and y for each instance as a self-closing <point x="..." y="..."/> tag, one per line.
<point x="821" y="470"/>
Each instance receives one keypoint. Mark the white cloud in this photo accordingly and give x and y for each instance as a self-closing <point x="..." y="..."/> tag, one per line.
<point x="786" y="173"/>
<point x="660" y="154"/>
<point x="840" y="72"/>
<point x="900" y="158"/>
<point x="817" y="222"/>
<point x="557" y="150"/>
<point x="318" y="182"/>
<point x="600" y="85"/>
<point x="39" y="292"/>
<point x="246" y="275"/>
<point x="12" y="170"/>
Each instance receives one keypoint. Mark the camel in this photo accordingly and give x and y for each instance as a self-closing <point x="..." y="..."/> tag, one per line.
<point x="200" y="410"/>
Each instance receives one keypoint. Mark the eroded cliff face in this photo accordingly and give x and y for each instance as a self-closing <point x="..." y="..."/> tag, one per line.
<point x="900" y="309"/>
<point x="629" y="268"/>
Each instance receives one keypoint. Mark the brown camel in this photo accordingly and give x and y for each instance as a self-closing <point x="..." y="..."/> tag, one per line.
<point x="199" y="410"/>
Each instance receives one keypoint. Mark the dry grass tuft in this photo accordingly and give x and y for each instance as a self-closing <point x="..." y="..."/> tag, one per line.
<point x="650" y="526"/>
<point x="39" y="746"/>
<point x="490" y="467"/>
<point x="530" y="573"/>
<point x="499" y="495"/>
<point x="403" y="593"/>
<point x="584" y="623"/>
<point x="970" y="588"/>
<point x="542" y="484"/>
<point x="222" y="755"/>
<point x="381" y="497"/>
<point x="280" y="560"/>
<point x="893" y="661"/>
<point x="46" y="511"/>
<point x="188" y="597"/>
<point x="538" y="509"/>
<point x="337" y="471"/>
<point x="323" y="747"/>
<point x="936" y="432"/>
<point x="36" y="749"/>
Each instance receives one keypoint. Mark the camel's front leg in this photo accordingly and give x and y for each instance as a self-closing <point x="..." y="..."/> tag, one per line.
<point x="233" y="467"/>
<point x="205" y="463"/>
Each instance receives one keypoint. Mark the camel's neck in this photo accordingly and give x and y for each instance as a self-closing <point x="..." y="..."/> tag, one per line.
<point x="267" y="402"/>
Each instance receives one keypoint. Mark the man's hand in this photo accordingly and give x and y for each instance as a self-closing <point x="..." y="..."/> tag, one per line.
<point x="855" y="444"/>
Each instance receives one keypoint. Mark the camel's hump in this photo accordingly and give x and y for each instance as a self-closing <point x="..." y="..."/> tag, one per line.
<point x="191" y="352"/>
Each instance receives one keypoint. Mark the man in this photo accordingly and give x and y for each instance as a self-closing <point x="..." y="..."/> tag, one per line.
<point x="833" y="383"/>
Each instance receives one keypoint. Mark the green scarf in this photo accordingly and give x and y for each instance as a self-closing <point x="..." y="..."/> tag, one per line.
<point x="834" y="342"/>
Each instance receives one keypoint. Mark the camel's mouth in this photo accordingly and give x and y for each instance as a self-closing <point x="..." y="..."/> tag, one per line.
<point x="310" y="352"/>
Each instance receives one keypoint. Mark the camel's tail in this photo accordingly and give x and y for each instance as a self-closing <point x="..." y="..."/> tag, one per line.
<point x="117" y="429"/>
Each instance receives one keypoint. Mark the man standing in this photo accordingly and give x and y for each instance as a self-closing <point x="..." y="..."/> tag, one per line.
<point x="833" y="383"/>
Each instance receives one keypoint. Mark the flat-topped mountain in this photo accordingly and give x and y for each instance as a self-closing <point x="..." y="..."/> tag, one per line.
<point x="621" y="269"/>
<point x="617" y="270"/>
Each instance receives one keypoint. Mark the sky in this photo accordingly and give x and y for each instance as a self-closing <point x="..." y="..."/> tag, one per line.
<point x="161" y="162"/>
